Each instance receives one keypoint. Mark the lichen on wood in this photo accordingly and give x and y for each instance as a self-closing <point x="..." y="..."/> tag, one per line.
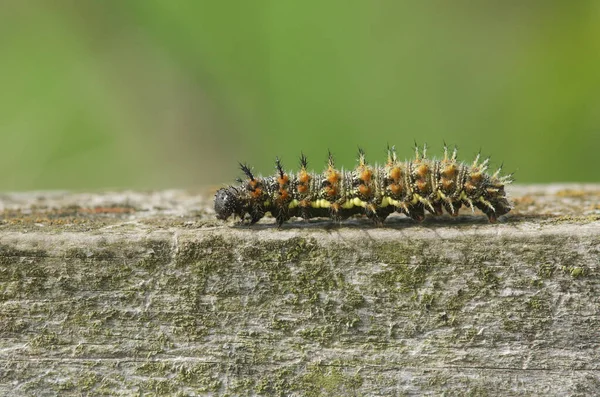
<point x="147" y="294"/>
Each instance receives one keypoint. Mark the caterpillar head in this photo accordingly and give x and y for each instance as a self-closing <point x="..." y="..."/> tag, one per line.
<point x="227" y="203"/>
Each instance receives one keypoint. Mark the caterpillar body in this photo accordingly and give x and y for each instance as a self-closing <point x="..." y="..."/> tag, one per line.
<point x="409" y="187"/>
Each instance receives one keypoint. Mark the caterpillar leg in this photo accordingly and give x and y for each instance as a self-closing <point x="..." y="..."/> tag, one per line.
<point x="417" y="212"/>
<point x="256" y="215"/>
<point x="378" y="215"/>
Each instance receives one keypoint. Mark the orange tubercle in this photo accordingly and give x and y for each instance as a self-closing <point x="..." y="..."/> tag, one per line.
<point x="396" y="188"/>
<point x="283" y="194"/>
<point x="364" y="190"/>
<point x="447" y="183"/>
<point x="303" y="177"/>
<point x="302" y="188"/>
<point x="283" y="180"/>
<point x="422" y="170"/>
<point x="421" y="185"/>
<point x="450" y="171"/>
<point x="366" y="175"/>
<point x="395" y="174"/>
<point x="256" y="193"/>
<point x="330" y="191"/>
<point x="476" y="177"/>
<point x="333" y="177"/>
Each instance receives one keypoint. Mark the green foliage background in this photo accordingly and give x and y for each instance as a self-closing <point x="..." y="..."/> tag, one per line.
<point x="154" y="93"/>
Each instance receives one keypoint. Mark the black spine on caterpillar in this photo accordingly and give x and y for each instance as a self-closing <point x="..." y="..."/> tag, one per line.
<point x="408" y="187"/>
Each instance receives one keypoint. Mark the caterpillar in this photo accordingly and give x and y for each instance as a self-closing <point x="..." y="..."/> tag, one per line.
<point x="409" y="187"/>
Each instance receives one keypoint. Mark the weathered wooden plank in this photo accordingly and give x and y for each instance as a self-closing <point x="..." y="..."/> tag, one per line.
<point x="145" y="293"/>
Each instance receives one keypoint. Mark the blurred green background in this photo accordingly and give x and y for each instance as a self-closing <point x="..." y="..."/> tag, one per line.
<point x="157" y="94"/>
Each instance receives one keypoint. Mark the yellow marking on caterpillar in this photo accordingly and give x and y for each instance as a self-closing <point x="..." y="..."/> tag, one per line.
<point x="323" y="203"/>
<point x="293" y="204"/>
<point x="348" y="204"/>
<point x="385" y="202"/>
<point x="395" y="203"/>
<point x="358" y="202"/>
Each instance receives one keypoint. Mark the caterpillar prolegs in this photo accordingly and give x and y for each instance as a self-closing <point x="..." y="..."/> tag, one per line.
<point x="409" y="187"/>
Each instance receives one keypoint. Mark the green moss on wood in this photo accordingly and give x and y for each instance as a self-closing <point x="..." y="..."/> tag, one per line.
<point x="327" y="381"/>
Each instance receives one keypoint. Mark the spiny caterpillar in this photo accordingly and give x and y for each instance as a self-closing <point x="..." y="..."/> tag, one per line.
<point x="408" y="187"/>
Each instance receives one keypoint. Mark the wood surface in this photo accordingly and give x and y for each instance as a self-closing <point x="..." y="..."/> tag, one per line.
<point x="146" y="293"/>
